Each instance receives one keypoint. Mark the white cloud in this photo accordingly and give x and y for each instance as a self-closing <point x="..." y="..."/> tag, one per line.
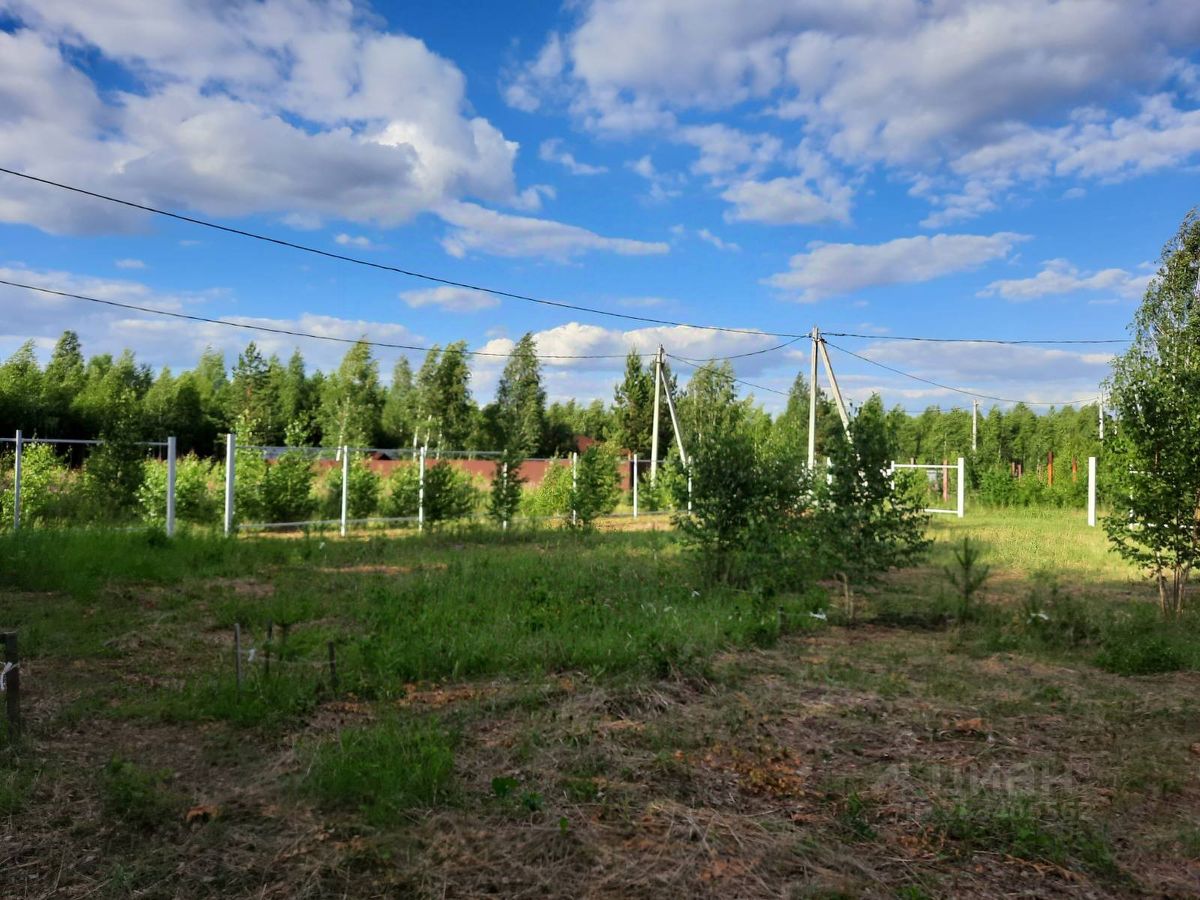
<point x="1059" y="276"/>
<point x="577" y="339"/>
<point x="355" y="240"/>
<point x="992" y="94"/>
<point x="709" y="238"/>
<point x="481" y="230"/>
<point x="830" y="269"/>
<point x="529" y="84"/>
<point x="787" y="201"/>
<point x="211" y="123"/>
<point x="160" y="341"/>
<point x="551" y="151"/>
<point x="724" y="150"/>
<point x="129" y="264"/>
<point x="663" y="185"/>
<point x="1037" y="374"/>
<point x="452" y="299"/>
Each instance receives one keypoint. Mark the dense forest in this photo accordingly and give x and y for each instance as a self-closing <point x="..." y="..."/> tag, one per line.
<point x="268" y="401"/>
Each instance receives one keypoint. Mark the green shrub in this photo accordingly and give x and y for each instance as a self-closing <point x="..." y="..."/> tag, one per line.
<point x="750" y="503"/>
<point x="49" y="490"/>
<point x="449" y="492"/>
<point x="553" y="496"/>
<point x="382" y="770"/>
<point x="286" y="491"/>
<point x="595" y="486"/>
<point x="198" y="496"/>
<point x="1141" y="654"/>
<point x="136" y="798"/>
<point x="363" y="501"/>
<point x="504" y="498"/>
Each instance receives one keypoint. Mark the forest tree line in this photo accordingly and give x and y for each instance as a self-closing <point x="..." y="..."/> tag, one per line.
<point x="266" y="400"/>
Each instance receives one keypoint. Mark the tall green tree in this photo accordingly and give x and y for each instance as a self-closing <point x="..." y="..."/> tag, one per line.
<point x="521" y="399"/>
<point x="399" y="409"/>
<point x="61" y="383"/>
<point x="1153" y="456"/>
<point x="633" y="406"/>
<point x="20" y="391"/>
<point x="351" y="400"/>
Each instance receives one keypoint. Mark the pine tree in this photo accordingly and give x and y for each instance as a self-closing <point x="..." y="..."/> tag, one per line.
<point x="521" y="400"/>
<point x="633" y="406"/>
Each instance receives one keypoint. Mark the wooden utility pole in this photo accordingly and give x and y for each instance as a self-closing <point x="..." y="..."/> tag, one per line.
<point x="974" y="426"/>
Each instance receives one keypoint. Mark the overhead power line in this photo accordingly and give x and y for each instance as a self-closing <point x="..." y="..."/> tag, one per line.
<point x="270" y="329"/>
<point x="933" y="340"/>
<point x="696" y="364"/>
<point x="342" y="257"/>
<point x="947" y="387"/>
<point x="496" y="292"/>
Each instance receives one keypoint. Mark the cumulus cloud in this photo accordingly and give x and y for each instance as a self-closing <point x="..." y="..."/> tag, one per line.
<point x="213" y="120"/>
<point x="452" y="299"/>
<point x="787" y="201"/>
<point x="476" y="229"/>
<point x="160" y="341"/>
<point x="1037" y="374"/>
<point x="1059" y="276"/>
<point x="827" y="270"/>
<point x="991" y="95"/>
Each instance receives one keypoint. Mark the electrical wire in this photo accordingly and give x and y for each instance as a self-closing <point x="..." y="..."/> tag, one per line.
<point x="511" y="295"/>
<point x="696" y="364"/>
<point x="410" y="273"/>
<point x="291" y="332"/>
<point x="947" y="387"/>
<point x="894" y="337"/>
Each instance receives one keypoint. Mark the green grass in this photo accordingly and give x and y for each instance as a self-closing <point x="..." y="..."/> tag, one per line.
<point x="382" y="770"/>
<point x="449" y="606"/>
<point x="1028" y="541"/>
<point x="135" y="798"/>
<point x="1021" y="827"/>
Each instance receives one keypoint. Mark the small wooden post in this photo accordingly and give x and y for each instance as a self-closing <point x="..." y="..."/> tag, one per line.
<point x="12" y="685"/>
<point x="267" y="650"/>
<point x="237" y="656"/>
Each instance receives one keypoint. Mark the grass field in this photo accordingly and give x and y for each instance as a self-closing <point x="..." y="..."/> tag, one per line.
<point x="553" y="715"/>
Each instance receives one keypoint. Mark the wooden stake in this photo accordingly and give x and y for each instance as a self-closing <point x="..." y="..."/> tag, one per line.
<point x="237" y="656"/>
<point x="12" y="685"/>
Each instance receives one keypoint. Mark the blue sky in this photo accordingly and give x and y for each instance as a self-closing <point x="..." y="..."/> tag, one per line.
<point x="962" y="168"/>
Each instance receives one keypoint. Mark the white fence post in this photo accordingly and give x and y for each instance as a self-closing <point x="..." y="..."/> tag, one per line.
<point x="345" y="487"/>
<point x="171" y="487"/>
<point x="421" y="492"/>
<point x="574" y="484"/>
<point x="635" y="487"/>
<point x="962" y="486"/>
<point x="17" y="484"/>
<point x="1092" y="491"/>
<point x="230" y="462"/>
